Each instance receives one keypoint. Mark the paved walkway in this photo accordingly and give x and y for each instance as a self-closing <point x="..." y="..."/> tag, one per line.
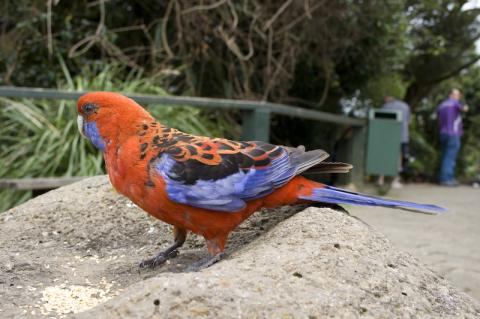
<point x="448" y="243"/>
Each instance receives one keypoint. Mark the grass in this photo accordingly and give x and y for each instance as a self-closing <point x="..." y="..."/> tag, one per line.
<point x="39" y="138"/>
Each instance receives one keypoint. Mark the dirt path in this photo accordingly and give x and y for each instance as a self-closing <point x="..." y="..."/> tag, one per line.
<point x="449" y="244"/>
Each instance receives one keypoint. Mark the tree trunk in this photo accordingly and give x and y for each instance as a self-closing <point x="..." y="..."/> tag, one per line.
<point x="415" y="93"/>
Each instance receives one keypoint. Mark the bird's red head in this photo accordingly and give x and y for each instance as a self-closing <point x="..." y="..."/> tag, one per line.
<point x="106" y="117"/>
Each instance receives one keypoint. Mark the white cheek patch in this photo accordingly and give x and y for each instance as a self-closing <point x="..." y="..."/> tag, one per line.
<point x="80" y="124"/>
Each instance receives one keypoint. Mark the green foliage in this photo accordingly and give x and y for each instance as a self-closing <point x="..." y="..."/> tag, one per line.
<point x="381" y="48"/>
<point x="469" y="157"/>
<point x="424" y="152"/>
<point x="310" y="52"/>
<point x="442" y="37"/>
<point x="385" y="85"/>
<point x="39" y="138"/>
<point x="240" y="49"/>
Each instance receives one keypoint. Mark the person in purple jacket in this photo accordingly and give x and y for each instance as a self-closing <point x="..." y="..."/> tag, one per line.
<point x="451" y="129"/>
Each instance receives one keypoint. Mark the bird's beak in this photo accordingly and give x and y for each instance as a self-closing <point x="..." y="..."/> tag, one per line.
<point x="80" y="124"/>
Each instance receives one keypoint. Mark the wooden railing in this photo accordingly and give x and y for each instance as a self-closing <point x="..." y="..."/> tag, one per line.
<point x="255" y="126"/>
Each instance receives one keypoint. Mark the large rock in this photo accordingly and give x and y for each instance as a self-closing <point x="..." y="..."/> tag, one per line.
<point x="76" y="250"/>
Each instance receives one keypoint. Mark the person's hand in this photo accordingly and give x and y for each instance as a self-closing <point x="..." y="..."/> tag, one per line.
<point x="465" y="108"/>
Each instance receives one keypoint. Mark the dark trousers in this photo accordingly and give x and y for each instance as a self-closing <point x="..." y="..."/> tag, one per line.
<point x="450" y="147"/>
<point x="405" y="151"/>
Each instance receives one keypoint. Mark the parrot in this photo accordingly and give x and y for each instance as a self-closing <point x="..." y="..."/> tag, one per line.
<point x="207" y="186"/>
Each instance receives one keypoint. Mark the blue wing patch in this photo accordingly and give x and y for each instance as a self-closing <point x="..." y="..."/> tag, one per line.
<point x="229" y="193"/>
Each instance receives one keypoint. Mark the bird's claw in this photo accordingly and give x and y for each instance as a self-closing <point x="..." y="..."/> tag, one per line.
<point x="206" y="262"/>
<point x="158" y="260"/>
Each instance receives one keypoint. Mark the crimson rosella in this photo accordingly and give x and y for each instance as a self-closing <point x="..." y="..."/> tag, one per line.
<point x="204" y="185"/>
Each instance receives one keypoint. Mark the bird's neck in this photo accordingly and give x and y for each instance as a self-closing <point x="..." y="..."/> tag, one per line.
<point x="117" y="130"/>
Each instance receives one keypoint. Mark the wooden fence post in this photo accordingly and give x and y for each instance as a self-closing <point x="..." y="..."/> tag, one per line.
<point x="352" y="150"/>
<point x="357" y="153"/>
<point x="256" y="125"/>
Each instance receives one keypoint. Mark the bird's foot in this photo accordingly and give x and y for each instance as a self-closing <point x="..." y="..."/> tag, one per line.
<point x="159" y="259"/>
<point x="206" y="262"/>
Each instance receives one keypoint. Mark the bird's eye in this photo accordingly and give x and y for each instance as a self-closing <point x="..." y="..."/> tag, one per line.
<point x="89" y="108"/>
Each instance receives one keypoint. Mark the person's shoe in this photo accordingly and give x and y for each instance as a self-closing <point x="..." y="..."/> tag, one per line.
<point x="396" y="183"/>
<point x="380" y="180"/>
<point x="451" y="183"/>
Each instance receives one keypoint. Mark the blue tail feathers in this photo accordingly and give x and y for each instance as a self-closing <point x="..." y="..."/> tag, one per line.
<point x="334" y="195"/>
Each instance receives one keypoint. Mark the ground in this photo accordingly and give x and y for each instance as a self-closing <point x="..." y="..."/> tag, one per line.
<point x="75" y="251"/>
<point x="448" y="243"/>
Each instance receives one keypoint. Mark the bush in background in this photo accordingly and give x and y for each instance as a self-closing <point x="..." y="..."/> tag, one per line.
<point x="39" y="138"/>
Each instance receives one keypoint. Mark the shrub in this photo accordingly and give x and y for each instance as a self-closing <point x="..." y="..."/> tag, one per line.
<point x="39" y="138"/>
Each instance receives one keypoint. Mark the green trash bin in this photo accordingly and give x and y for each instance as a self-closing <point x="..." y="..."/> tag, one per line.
<point x="383" y="142"/>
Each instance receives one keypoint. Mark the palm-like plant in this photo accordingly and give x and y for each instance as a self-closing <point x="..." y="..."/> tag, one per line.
<point x="39" y="138"/>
